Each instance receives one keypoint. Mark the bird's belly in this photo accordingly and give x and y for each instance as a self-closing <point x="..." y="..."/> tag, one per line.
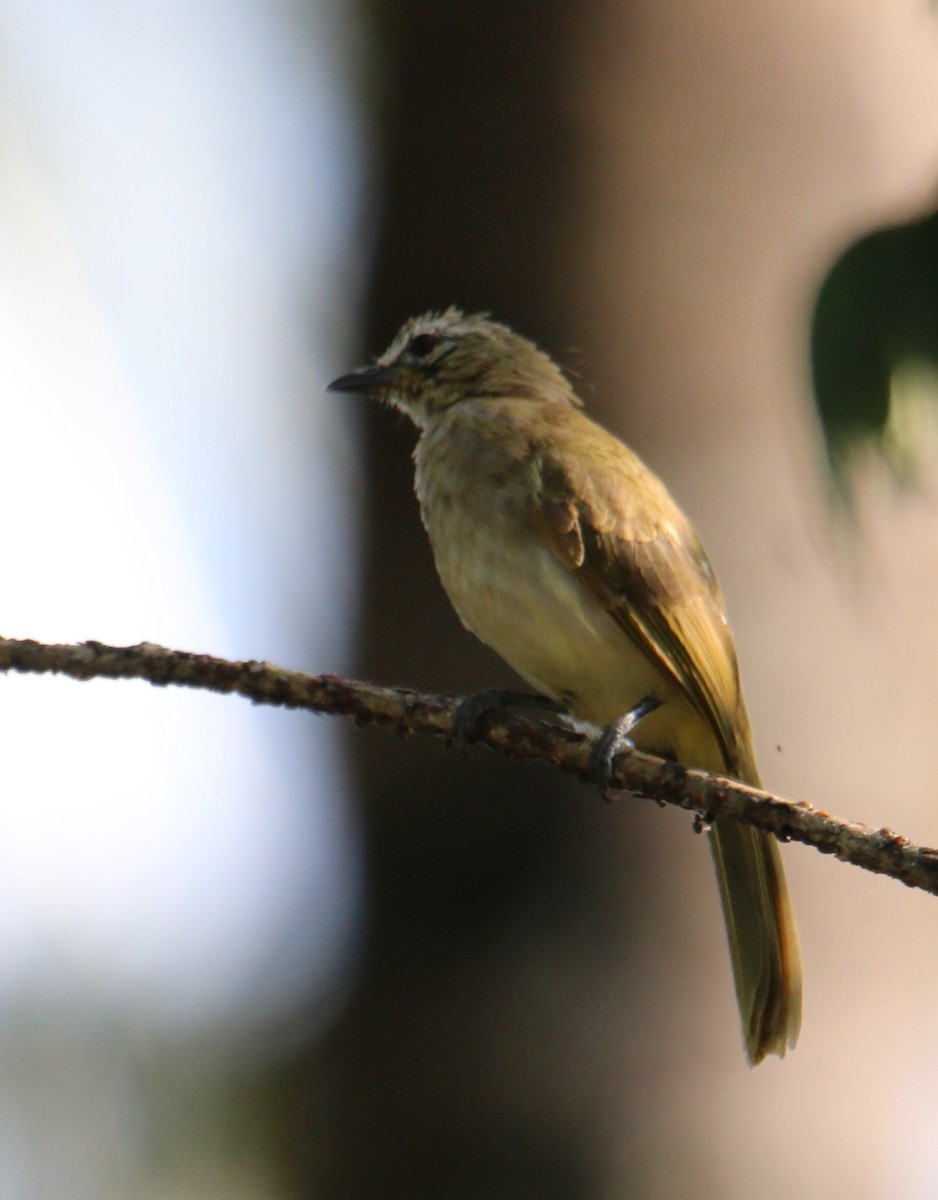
<point x="513" y="595"/>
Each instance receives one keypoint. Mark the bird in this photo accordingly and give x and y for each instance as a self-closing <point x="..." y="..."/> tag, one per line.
<point x="562" y="551"/>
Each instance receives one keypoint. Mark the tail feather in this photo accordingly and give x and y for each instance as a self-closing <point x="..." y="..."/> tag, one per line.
<point x="762" y="936"/>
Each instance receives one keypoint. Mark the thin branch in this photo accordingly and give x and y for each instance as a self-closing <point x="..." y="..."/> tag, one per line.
<point x="407" y="712"/>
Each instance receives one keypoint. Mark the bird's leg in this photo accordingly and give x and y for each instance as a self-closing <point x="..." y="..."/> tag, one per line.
<point x="470" y="710"/>
<point x="613" y="738"/>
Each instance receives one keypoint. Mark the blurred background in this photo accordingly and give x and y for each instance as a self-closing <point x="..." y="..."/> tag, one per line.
<point x="255" y="955"/>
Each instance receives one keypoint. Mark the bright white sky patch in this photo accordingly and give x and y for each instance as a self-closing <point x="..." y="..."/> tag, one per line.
<point x="169" y="206"/>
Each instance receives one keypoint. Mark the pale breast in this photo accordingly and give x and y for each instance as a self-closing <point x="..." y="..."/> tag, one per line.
<point x="476" y="494"/>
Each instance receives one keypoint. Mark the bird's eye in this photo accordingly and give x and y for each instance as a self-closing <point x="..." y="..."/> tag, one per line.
<point x="423" y="344"/>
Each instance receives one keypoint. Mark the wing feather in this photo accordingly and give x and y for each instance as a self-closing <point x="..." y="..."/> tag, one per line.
<point x="617" y="529"/>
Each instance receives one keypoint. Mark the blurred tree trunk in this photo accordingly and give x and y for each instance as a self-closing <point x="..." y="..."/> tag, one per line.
<point x="502" y="1011"/>
<point x="545" y="1006"/>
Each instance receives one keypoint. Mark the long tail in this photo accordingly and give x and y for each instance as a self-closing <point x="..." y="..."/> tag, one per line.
<point x="762" y="935"/>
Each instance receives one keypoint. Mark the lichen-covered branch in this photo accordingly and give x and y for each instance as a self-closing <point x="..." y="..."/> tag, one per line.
<point x="408" y="712"/>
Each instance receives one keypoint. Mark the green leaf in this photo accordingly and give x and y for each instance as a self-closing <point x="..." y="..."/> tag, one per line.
<point x="874" y="351"/>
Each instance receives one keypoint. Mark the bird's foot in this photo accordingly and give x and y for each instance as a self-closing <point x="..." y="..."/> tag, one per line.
<point x="614" y="738"/>
<point x="470" y="710"/>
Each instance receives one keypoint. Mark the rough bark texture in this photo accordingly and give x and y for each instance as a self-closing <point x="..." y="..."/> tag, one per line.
<point x="406" y="713"/>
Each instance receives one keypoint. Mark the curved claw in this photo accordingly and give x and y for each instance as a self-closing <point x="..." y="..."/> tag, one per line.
<point x="613" y="739"/>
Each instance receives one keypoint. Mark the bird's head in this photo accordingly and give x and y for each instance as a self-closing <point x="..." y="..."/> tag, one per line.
<point x="441" y="359"/>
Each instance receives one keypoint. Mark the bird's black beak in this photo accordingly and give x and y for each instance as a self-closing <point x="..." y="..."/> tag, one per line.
<point x="366" y="379"/>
